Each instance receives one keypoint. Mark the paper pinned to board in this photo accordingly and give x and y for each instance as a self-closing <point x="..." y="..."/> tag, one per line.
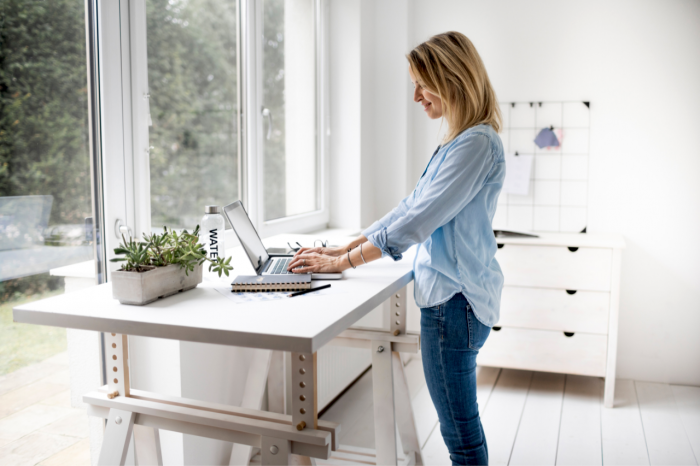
<point x="547" y="138"/>
<point x="518" y="169"/>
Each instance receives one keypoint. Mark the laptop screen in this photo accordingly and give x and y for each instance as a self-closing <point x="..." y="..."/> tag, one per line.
<point x="247" y="235"/>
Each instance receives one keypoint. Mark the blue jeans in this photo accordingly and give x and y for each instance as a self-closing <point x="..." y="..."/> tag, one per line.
<point x="451" y="337"/>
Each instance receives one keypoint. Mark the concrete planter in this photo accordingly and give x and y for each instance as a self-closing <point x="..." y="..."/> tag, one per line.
<point x="141" y="288"/>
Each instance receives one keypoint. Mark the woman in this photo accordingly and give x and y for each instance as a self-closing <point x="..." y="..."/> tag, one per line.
<point x="457" y="279"/>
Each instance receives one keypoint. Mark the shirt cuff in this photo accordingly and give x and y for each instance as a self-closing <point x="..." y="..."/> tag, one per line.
<point x="379" y="240"/>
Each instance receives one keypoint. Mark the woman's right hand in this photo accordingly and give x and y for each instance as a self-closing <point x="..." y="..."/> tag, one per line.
<point x="335" y="252"/>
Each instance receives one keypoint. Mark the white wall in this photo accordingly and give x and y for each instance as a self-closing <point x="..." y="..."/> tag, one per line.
<point x="344" y="90"/>
<point x="368" y="115"/>
<point x="638" y="63"/>
<point x="300" y="106"/>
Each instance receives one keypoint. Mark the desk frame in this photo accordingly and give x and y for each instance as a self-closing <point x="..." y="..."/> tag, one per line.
<point x="282" y="439"/>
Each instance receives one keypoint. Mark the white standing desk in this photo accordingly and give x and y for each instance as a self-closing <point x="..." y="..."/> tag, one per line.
<point x="299" y="325"/>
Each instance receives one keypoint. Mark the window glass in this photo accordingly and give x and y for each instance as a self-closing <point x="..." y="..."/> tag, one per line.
<point x="290" y="167"/>
<point x="192" y="79"/>
<point x="45" y="192"/>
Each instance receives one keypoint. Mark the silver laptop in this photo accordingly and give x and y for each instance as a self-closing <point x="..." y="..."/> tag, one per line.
<point x="263" y="262"/>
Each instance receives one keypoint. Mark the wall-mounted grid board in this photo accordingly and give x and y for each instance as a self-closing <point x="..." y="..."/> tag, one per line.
<point x="558" y="196"/>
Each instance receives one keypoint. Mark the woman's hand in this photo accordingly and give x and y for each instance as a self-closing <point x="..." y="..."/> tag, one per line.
<point x="334" y="252"/>
<point x="305" y="262"/>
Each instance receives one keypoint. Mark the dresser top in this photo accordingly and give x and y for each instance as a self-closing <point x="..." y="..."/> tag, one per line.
<point x="580" y="240"/>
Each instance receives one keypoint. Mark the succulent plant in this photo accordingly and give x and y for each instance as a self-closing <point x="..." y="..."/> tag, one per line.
<point x="167" y="248"/>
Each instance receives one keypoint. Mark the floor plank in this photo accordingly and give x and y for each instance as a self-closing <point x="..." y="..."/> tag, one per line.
<point x="425" y="414"/>
<point x="361" y="434"/>
<point x="77" y="454"/>
<point x="502" y="413"/>
<point x="666" y="438"/>
<point x="75" y="424"/>
<point x="579" y="433"/>
<point x="435" y="451"/>
<point x="623" y="434"/>
<point x="414" y="375"/>
<point x="34" y="448"/>
<point x="485" y="381"/>
<point x="29" y="420"/>
<point x="31" y="373"/>
<point x="538" y="434"/>
<point x="59" y="399"/>
<point x="688" y="402"/>
<point x="348" y="409"/>
<point x="25" y="396"/>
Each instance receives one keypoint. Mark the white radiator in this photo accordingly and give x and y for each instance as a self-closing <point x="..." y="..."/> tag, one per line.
<point x="338" y="367"/>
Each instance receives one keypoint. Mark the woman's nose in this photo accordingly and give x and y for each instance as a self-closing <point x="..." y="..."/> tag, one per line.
<point x="416" y="95"/>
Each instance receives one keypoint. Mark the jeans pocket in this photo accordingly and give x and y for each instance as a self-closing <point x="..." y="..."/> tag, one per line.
<point x="435" y="310"/>
<point x="478" y="332"/>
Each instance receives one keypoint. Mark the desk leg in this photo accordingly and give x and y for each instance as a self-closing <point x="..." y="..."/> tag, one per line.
<point x="304" y="391"/>
<point x="252" y="398"/>
<point x="277" y="384"/>
<point x="275" y="451"/>
<point x="117" y="364"/>
<point x="120" y="425"/>
<point x="304" y="398"/>
<point x="147" y="446"/>
<point x="384" y="413"/>
<point x="404" y="414"/>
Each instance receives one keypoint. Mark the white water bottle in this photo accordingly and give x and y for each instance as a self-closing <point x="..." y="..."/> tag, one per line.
<point x="211" y="233"/>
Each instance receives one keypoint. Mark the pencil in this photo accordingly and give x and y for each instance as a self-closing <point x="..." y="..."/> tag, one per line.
<point x="297" y="293"/>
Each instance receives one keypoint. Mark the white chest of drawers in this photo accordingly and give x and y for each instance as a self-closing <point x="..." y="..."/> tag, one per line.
<point x="559" y="308"/>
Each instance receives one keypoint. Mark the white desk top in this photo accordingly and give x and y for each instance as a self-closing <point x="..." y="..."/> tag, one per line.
<point x="205" y="315"/>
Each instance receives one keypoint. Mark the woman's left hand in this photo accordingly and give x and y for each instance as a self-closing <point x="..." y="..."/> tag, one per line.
<point x="315" y="262"/>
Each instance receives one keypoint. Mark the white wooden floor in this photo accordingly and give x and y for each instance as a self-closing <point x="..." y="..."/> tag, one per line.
<point x="537" y="418"/>
<point x="38" y="426"/>
<point x="529" y="418"/>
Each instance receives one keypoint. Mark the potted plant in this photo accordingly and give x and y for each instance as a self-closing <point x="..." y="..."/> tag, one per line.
<point x="160" y="266"/>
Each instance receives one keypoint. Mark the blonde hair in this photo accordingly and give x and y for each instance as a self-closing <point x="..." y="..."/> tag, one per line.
<point x="449" y="66"/>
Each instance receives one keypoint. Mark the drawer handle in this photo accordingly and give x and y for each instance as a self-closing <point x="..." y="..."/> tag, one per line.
<point x="500" y="245"/>
<point x="571" y="291"/>
<point x="568" y="334"/>
<point x="496" y="329"/>
<point x="573" y="248"/>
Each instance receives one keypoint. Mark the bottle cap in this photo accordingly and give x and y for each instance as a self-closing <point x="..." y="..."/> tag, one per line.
<point x="211" y="209"/>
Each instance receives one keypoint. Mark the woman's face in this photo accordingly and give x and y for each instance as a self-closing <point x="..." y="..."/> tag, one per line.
<point x="432" y="105"/>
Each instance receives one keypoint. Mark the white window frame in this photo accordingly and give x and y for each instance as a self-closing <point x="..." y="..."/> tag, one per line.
<point x="252" y="93"/>
<point x="125" y="113"/>
<point x="115" y="117"/>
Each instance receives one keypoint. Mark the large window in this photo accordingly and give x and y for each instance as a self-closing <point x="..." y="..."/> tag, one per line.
<point x="215" y="70"/>
<point x="45" y="190"/>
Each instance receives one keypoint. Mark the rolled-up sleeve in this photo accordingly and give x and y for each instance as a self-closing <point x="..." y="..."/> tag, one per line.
<point x="460" y="177"/>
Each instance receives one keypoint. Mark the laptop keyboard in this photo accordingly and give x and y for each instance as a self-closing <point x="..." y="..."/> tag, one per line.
<point x="279" y="267"/>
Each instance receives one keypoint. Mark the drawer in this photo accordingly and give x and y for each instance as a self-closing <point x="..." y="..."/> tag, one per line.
<point x="545" y="350"/>
<point x="548" y="309"/>
<point x="556" y="267"/>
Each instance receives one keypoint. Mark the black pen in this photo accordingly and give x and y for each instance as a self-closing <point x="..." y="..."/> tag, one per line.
<point x="297" y="293"/>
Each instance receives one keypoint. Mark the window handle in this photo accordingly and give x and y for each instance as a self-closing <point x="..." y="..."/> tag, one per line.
<point x="268" y="114"/>
<point x="120" y="228"/>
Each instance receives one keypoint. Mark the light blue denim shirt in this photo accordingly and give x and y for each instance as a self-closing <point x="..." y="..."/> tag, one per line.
<point x="449" y="215"/>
